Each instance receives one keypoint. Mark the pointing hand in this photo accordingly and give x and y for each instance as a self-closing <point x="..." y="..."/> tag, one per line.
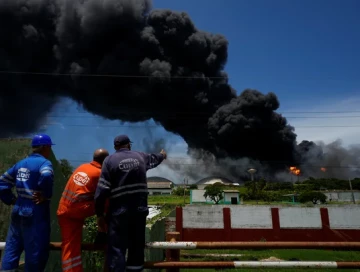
<point x="164" y="153"/>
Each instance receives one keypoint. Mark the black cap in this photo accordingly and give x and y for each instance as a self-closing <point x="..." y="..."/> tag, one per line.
<point x="122" y="140"/>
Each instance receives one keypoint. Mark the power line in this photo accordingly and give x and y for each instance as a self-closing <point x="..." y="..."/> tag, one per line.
<point x="262" y="161"/>
<point x="110" y="75"/>
<point x="204" y="112"/>
<point x="193" y="125"/>
<point x="236" y="165"/>
<point x="131" y="76"/>
<point x="196" y="116"/>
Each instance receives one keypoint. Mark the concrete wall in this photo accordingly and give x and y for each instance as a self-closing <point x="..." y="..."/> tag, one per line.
<point x="342" y="196"/>
<point x="209" y="216"/>
<point x="260" y="217"/>
<point x="344" y="218"/>
<point x="300" y="218"/>
<point x="254" y="223"/>
<point x="197" y="196"/>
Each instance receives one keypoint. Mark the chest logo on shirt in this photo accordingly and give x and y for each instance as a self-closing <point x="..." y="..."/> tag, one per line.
<point x="23" y="174"/>
<point x="129" y="164"/>
<point x="81" y="178"/>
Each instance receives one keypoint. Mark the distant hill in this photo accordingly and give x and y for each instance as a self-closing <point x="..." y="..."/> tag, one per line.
<point x="11" y="151"/>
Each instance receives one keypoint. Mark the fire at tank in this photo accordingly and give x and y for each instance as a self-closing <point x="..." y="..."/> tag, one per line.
<point x="294" y="170"/>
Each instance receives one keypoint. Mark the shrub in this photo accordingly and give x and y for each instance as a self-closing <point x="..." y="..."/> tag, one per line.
<point x="313" y="197"/>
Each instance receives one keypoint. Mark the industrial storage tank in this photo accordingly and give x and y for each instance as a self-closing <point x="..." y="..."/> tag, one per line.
<point x="214" y="179"/>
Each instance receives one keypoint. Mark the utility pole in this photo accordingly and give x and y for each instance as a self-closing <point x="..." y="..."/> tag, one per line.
<point x="252" y="171"/>
<point x="352" y="192"/>
<point x="186" y="181"/>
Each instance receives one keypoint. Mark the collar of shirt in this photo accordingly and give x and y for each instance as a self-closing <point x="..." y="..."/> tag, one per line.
<point x="96" y="164"/>
<point x="122" y="149"/>
<point x="36" y="155"/>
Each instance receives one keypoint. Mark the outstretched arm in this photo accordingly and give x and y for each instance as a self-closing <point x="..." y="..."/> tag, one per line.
<point x="153" y="160"/>
<point x="7" y="182"/>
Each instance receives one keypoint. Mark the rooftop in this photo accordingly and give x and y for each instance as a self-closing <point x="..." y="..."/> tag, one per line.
<point x="159" y="185"/>
<point x="158" y="179"/>
<point x="214" y="179"/>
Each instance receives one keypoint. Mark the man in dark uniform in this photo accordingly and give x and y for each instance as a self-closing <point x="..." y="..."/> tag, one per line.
<point x="123" y="181"/>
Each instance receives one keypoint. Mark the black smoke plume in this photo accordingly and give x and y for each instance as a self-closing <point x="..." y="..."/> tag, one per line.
<point x="153" y="144"/>
<point x="168" y="71"/>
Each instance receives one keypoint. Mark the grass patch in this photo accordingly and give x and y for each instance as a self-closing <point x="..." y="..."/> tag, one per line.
<point x="179" y="201"/>
<point x="168" y="199"/>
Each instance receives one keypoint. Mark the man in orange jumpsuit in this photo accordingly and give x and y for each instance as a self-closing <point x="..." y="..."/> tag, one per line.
<point x="76" y="204"/>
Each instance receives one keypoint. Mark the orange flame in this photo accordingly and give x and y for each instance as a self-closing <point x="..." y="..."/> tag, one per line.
<point x="295" y="170"/>
<point x="323" y="169"/>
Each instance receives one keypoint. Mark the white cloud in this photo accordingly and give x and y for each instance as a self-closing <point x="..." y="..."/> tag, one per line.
<point x="328" y="122"/>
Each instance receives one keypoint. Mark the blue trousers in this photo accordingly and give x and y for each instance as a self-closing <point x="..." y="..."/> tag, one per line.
<point x="126" y="232"/>
<point x="29" y="234"/>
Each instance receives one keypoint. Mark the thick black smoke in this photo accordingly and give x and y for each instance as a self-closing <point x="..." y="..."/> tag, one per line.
<point x="153" y="144"/>
<point x="169" y="71"/>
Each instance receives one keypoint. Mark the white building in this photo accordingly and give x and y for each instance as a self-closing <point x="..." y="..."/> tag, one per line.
<point x="229" y="197"/>
<point x="341" y="196"/>
<point x="159" y="186"/>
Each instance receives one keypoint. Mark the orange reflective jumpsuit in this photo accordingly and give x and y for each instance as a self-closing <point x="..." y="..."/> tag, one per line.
<point x="76" y="204"/>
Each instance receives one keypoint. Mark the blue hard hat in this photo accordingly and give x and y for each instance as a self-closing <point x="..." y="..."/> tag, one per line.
<point x="41" y="139"/>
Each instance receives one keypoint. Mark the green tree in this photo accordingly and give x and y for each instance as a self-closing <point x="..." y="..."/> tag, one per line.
<point x="313" y="197"/>
<point x="214" y="192"/>
<point x="279" y="186"/>
<point x="193" y="186"/>
<point x="66" y="168"/>
<point x="255" y="189"/>
<point x="179" y="191"/>
<point x="271" y="196"/>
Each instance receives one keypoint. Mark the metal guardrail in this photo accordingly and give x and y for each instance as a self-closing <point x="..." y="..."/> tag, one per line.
<point x="244" y="264"/>
<point x="354" y="246"/>
<point x="173" y="248"/>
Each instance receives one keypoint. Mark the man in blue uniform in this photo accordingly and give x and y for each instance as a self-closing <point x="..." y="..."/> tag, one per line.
<point x="30" y="218"/>
<point x="123" y="181"/>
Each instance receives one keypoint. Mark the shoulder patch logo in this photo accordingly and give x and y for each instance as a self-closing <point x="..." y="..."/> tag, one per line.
<point x="81" y="178"/>
<point x="129" y="164"/>
<point x="23" y="174"/>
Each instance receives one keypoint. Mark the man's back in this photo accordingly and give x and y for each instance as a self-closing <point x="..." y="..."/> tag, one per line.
<point x="123" y="181"/>
<point x="127" y="167"/>
<point x="81" y="186"/>
<point x="123" y="178"/>
<point x="30" y="175"/>
<point x="77" y="204"/>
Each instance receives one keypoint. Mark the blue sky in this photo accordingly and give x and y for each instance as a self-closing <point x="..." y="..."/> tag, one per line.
<point x="305" y="51"/>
